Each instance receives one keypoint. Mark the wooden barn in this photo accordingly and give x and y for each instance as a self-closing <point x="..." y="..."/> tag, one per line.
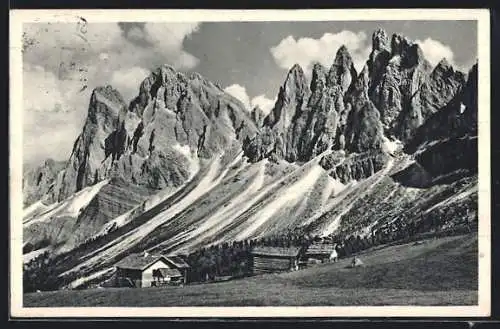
<point x="144" y="270"/>
<point x="274" y="259"/>
<point x="322" y="252"/>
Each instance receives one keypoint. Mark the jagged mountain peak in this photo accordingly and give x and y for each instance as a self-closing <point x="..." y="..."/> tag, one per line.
<point x="109" y="92"/>
<point x="342" y="55"/>
<point x="445" y="70"/>
<point x="380" y="40"/>
<point x="444" y="63"/>
<point x="156" y="141"/>
<point x="342" y="72"/>
<point x="296" y="76"/>
<point x="167" y="172"/>
<point x="295" y="85"/>
<point x="407" y="52"/>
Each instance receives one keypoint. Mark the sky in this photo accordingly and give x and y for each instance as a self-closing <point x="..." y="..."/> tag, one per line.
<point x="63" y="63"/>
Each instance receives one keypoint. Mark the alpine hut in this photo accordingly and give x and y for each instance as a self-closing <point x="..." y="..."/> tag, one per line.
<point x="323" y="252"/>
<point x="274" y="259"/>
<point x="144" y="270"/>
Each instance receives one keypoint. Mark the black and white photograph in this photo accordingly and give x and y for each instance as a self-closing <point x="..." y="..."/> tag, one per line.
<point x="250" y="163"/>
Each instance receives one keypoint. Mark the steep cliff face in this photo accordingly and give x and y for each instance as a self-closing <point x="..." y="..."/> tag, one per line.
<point x="447" y="141"/>
<point x="404" y="87"/>
<point x="97" y="141"/>
<point x="160" y="139"/>
<point x="363" y="130"/>
<point x="304" y="120"/>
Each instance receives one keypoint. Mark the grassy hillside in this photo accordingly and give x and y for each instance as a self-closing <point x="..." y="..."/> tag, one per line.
<point x="434" y="272"/>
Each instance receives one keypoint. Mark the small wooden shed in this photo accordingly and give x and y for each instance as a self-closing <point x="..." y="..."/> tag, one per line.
<point x="274" y="259"/>
<point x="144" y="270"/>
<point x="323" y="252"/>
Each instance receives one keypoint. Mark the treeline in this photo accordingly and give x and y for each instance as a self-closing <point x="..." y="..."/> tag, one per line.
<point x="439" y="222"/>
<point x="38" y="274"/>
<point x="234" y="259"/>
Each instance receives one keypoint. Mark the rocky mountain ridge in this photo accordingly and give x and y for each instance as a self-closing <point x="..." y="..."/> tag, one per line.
<point x="159" y="139"/>
<point x="201" y="169"/>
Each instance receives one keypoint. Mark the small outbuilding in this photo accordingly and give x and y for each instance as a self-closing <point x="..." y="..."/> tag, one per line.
<point x="144" y="270"/>
<point x="274" y="259"/>
<point x="321" y="252"/>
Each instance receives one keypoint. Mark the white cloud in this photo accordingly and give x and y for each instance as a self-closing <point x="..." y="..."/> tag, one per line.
<point x="306" y="51"/>
<point x="434" y="51"/>
<point x="128" y="80"/>
<point x="240" y="93"/>
<point x="265" y="104"/>
<point x="169" y="36"/>
<point x="41" y="90"/>
<point x="51" y="121"/>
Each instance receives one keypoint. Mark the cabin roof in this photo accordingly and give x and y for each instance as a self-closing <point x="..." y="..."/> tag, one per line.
<point x="139" y="261"/>
<point x="276" y="251"/>
<point x="316" y="249"/>
<point x="169" y="272"/>
<point x="177" y="261"/>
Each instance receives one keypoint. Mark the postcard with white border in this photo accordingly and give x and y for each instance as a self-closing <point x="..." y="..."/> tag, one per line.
<point x="250" y="163"/>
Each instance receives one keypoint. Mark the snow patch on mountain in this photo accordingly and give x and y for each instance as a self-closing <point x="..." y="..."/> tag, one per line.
<point x="72" y="206"/>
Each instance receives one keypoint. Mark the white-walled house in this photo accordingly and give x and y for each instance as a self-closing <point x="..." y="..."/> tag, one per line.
<point x="143" y="270"/>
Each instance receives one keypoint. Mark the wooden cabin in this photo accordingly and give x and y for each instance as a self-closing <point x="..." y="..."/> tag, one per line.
<point x="274" y="259"/>
<point x="321" y="252"/>
<point x="144" y="270"/>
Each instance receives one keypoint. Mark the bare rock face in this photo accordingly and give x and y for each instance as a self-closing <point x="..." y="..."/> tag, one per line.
<point x="396" y="92"/>
<point x="393" y="90"/>
<point x="403" y="86"/>
<point x="67" y="232"/>
<point x="304" y="121"/>
<point x="39" y="181"/>
<point x="258" y="116"/>
<point x="98" y="140"/>
<point x="379" y="57"/>
<point x="175" y="121"/>
<point x="363" y="131"/>
<point x="458" y="119"/>
<point x="446" y="144"/>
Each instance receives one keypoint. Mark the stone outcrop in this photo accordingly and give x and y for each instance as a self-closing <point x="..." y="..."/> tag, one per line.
<point x="346" y="168"/>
